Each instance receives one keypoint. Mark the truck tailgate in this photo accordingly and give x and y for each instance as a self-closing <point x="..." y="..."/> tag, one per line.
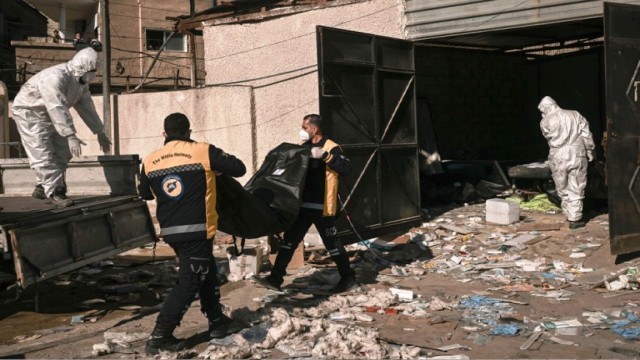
<point x="49" y="242"/>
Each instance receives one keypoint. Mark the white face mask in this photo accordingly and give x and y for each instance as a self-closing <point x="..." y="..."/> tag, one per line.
<point x="88" y="77"/>
<point x="304" y="136"/>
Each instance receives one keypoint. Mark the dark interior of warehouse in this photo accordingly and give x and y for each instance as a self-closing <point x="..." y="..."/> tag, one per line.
<point x="477" y="98"/>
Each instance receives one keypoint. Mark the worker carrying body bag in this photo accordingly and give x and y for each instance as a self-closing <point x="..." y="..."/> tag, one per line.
<point x="269" y="202"/>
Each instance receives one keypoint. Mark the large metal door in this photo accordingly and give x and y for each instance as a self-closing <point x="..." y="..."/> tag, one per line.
<point x="622" y="61"/>
<point x="367" y="101"/>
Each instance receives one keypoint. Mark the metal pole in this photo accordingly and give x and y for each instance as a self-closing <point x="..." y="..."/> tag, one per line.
<point x="106" y="68"/>
<point x="192" y="45"/>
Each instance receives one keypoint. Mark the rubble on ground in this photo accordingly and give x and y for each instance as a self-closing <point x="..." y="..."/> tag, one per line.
<point x="462" y="246"/>
<point x="502" y="270"/>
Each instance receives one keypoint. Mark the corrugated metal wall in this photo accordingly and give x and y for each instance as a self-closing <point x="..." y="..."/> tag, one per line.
<point x="437" y="18"/>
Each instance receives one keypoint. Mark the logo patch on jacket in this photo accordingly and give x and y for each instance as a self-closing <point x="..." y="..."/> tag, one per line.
<point x="172" y="186"/>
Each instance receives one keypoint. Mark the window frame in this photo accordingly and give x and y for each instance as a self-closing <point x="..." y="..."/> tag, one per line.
<point x="165" y="33"/>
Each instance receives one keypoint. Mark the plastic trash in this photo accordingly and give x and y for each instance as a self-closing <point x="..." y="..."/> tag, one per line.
<point x="295" y="351"/>
<point x="257" y="333"/>
<point x="507" y="329"/>
<point x="482" y="340"/>
<point x="477" y="301"/>
<point x="627" y="333"/>
<point x="619" y="327"/>
<point x="225" y="341"/>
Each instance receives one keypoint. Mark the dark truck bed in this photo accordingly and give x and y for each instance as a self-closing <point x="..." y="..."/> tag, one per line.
<point x="42" y="242"/>
<point x="38" y="241"/>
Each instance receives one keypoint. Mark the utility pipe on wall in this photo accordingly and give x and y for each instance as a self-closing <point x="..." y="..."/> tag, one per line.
<point x="106" y="72"/>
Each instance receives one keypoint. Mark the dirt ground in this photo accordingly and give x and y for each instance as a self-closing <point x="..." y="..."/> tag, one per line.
<point x="124" y="296"/>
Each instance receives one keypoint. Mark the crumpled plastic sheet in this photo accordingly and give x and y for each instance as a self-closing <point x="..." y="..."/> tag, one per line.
<point x="548" y="275"/>
<point x="482" y="310"/>
<point x="225" y="352"/>
<point x="115" y="340"/>
<point x="627" y="332"/>
<point x="403" y="352"/>
<point x="414" y="309"/>
<point x="316" y="338"/>
<point x="537" y="203"/>
<point x="505" y="329"/>
<point x="477" y="301"/>
<point x="283" y="326"/>
<point x="350" y="304"/>
<point x="437" y="305"/>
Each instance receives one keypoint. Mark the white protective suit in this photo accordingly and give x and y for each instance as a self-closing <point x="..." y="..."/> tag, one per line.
<point x="41" y="113"/>
<point x="570" y="149"/>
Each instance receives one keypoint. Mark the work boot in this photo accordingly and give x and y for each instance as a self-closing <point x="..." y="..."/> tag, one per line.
<point x="345" y="284"/>
<point x="59" y="198"/>
<point x="223" y="326"/>
<point x="162" y="339"/>
<point x="268" y="282"/>
<point x="38" y="192"/>
<point x="576" y="224"/>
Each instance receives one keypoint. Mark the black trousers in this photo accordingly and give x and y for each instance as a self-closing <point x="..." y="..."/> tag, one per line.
<point x="292" y="238"/>
<point x="197" y="275"/>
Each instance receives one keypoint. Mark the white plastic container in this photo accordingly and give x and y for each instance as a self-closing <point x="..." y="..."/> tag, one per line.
<point x="502" y="212"/>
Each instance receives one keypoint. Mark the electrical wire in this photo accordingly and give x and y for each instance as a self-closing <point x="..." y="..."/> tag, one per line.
<point x="164" y="44"/>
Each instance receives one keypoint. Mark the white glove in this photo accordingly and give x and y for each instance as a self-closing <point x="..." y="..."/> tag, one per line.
<point x="317" y="152"/>
<point x="590" y="156"/>
<point x="105" y="143"/>
<point x="74" y="145"/>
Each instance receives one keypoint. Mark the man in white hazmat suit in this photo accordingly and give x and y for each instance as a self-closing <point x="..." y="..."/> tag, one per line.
<point x="41" y="113"/>
<point x="570" y="149"/>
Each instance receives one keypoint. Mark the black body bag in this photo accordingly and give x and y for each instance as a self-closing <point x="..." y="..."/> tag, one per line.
<point x="269" y="203"/>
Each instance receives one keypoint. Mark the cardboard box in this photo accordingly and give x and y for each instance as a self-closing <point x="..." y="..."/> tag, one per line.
<point x="249" y="262"/>
<point x="502" y="212"/>
<point x="297" y="261"/>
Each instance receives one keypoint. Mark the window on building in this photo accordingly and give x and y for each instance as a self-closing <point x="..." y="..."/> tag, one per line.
<point x="155" y="39"/>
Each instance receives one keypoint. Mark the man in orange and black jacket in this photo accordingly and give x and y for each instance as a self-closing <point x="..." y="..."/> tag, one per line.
<point x="319" y="207"/>
<point x="181" y="176"/>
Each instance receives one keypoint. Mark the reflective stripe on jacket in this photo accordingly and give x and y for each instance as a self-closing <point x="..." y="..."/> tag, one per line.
<point x="331" y="183"/>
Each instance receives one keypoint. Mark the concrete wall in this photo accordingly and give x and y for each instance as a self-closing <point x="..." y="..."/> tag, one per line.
<point x="31" y="57"/>
<point x="222" y="116"/>
<point x="278" y="58"/>
<point x="219" y="115"/>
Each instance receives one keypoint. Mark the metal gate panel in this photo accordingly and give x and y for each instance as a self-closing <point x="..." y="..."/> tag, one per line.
<point x="622" y="73"/>
<point x="367" y="101"/>
<point x="350" y="92"/>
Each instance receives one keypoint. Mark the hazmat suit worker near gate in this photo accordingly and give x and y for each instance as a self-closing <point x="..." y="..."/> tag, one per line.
<point x="41" y="113"/>
<point x="571" y="148"/>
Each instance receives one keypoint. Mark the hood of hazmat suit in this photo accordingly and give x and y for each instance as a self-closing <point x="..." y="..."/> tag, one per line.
<point x="84" y="61"/>
<point x="547" y="105"/>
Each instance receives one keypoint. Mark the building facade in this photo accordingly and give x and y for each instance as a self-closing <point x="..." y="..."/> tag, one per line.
<point x="18" y="21"/>
<point x="138" y="29"/>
